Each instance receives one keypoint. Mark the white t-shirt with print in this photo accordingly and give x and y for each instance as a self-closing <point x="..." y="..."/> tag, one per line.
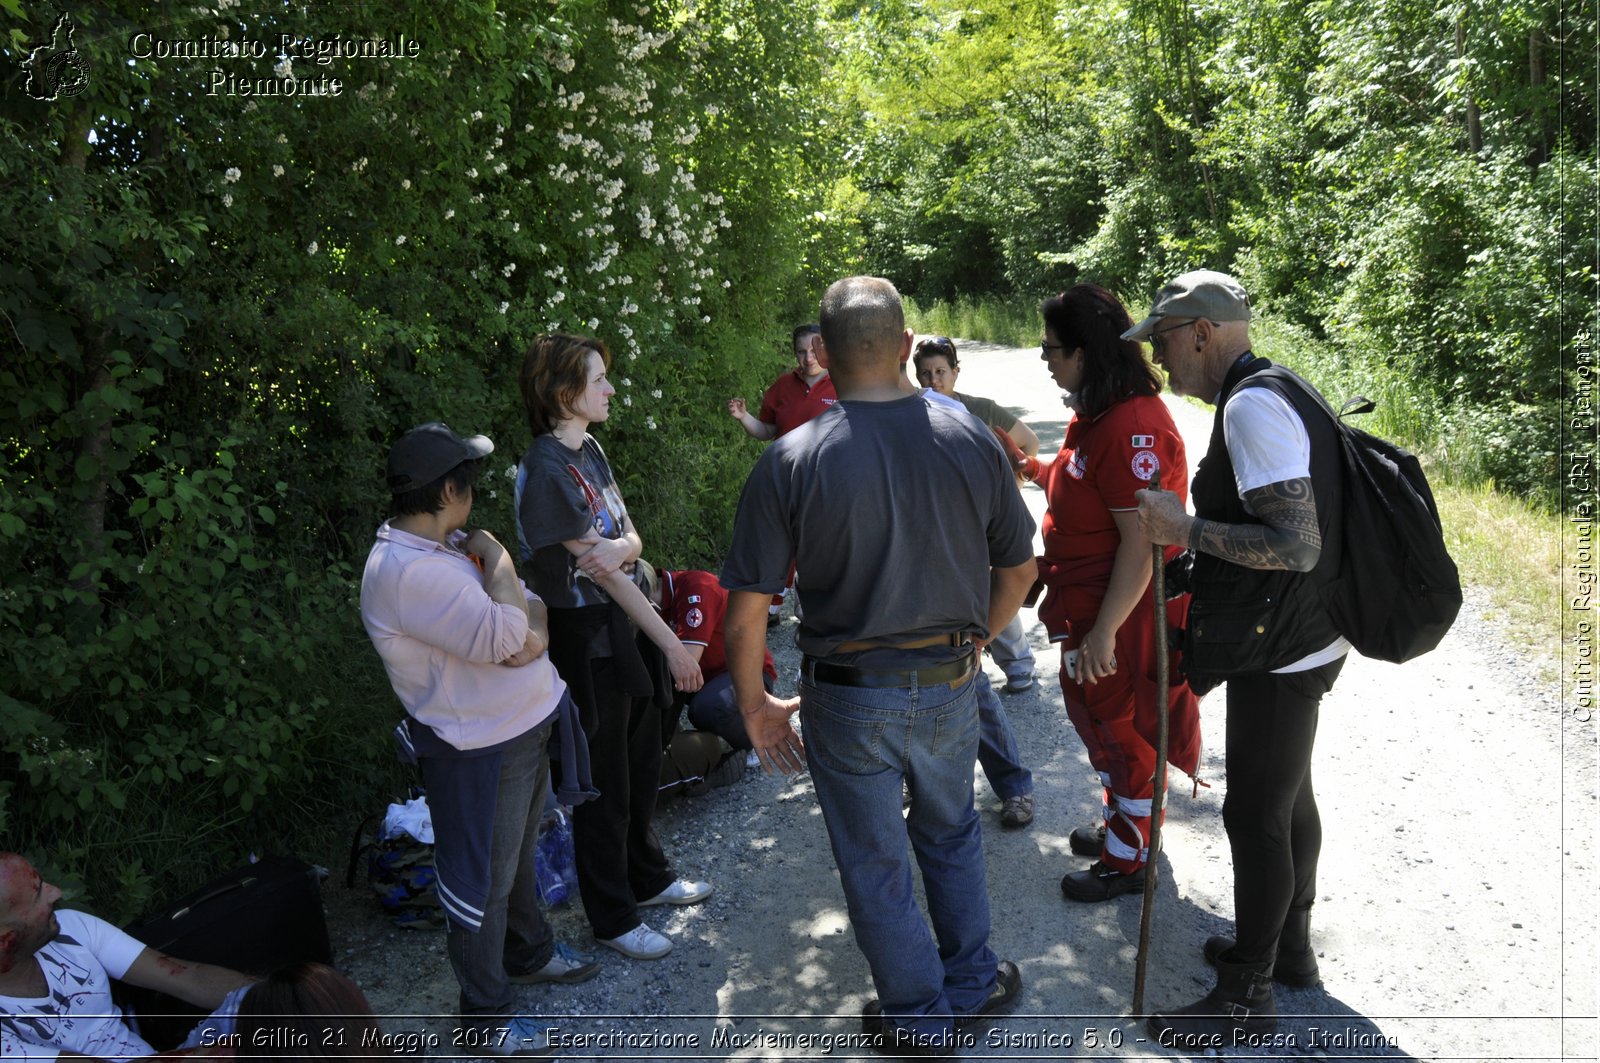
<point x="76" y="1014"/>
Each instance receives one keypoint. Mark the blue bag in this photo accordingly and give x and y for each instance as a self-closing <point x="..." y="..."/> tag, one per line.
<point x="554" y="863"/>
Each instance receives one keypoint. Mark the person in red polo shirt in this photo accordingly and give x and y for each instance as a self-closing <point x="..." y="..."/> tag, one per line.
<point x="1096" y="570"/>
<point x="792" y="400"/>
<point x="693" y="603"/>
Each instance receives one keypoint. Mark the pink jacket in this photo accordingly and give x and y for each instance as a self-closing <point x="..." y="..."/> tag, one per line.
<point x="441" y="638"/>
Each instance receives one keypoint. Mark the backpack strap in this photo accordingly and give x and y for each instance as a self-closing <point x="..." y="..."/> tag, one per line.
<point x="358" y="846"/>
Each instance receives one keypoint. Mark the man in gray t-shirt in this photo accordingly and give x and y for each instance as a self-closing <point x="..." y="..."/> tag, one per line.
<point x="912" y="545"/>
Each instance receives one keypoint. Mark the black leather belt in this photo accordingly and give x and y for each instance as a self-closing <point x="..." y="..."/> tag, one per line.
<point x="849" y="676"/>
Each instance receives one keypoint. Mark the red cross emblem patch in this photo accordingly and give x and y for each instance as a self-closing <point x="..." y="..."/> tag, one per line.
<point x="1145" y="464"/>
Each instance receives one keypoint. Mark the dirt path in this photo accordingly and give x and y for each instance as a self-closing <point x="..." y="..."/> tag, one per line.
<point x="1456" y="916"/>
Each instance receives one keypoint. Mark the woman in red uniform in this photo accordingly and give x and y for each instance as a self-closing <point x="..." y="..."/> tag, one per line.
<point x="1096" y="570"/>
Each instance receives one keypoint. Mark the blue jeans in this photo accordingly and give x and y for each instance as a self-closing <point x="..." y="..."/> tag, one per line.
<point x="1011" y="651"/>
<point x="514" y="936"/>
<point x="861" y="743"/>
<point x="997" y="746"/>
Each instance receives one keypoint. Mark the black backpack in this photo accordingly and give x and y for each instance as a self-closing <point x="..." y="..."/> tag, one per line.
<point x="1398" y="590"/>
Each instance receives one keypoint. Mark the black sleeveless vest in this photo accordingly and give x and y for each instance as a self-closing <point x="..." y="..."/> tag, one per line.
<point x="1244" y="620"/>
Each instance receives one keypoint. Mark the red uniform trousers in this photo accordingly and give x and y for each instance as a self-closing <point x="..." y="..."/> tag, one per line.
<point x="1117" y="720"/>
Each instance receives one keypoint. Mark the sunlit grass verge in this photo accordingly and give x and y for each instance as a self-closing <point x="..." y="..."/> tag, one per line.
<point x="1014" y="323"/>
<point x="1514" y="553"/>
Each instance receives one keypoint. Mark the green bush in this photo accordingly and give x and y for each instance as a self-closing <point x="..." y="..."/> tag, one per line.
<point x="221" y="311"/>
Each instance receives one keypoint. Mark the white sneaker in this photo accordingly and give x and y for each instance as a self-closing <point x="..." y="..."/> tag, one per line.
<point x="680" y="892"/>
<point x="640" y="943"/>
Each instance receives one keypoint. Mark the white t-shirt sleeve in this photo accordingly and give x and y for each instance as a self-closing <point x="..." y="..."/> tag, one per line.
<point x="1266" y="439"/>
<point x="115" y="949"/>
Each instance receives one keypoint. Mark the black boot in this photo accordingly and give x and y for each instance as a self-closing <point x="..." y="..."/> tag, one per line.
<point x="1238" y="1009"/>
<point x="1297" y="961"/>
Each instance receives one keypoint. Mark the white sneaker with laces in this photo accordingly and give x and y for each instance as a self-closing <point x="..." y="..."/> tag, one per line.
<point x="680" y="892"/>
<point x="640" y="943"/>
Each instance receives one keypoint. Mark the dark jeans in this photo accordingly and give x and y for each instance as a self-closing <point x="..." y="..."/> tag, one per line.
<point x="619" y="860"/>
<point x="862" y="745"/>
<point x="713" y="708"/>
<point x="514" y="936"/>
<point x="1271" y="812"/>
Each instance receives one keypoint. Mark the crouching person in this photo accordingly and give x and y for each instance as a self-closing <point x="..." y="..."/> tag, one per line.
<point x="464" y="645"/>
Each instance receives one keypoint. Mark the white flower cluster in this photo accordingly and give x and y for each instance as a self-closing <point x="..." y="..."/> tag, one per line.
<point x="608" y="152"/>
<point x="232" y="174"/>
<point x="637" y="42"/>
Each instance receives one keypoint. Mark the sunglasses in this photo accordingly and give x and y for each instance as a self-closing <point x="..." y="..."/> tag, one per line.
<point x="1157" y="343"/>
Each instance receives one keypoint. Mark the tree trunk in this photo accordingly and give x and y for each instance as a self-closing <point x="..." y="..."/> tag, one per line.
<point x="92" y="445"/>
<point x="1474" y="123"/>
<point x="1536" y="42"/>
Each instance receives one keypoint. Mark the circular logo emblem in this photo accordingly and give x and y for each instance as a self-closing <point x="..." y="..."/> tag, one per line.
<point x="1145" y="464"/>
<point x="694" y="618"/>
<point x="67" y="74"/>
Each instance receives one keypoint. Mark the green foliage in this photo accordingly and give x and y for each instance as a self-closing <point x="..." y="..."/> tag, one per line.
<point x="1398" y="180"/>
<point x="221" y="309"/>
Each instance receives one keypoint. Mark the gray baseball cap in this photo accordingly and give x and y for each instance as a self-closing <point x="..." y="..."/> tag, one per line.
<point x="429" y="451"/>
<point x="1202" y="293"/>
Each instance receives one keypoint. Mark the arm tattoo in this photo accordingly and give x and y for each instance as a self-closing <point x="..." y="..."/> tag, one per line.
<point x="1288" y="537"/>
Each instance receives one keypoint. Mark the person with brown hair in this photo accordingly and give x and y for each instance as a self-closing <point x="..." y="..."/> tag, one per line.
<point x="308" y="1010"/>
<point x="582" y="555"/>
<point x="1096" y="570"/>
<point x="939" y="368"/>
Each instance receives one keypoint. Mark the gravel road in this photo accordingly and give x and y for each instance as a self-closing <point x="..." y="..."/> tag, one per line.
<point x="1456" y="916"/>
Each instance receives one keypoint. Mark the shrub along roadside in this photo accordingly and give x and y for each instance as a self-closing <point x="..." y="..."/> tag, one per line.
<point x="210" y="341"/>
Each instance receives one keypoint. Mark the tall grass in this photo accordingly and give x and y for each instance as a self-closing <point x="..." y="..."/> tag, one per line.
<point x="1407" y="411"/>
<point x="1014" y="322"/>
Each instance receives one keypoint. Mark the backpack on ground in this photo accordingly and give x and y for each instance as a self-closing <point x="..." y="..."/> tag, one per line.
<point x="1398" y="590"/>
<point x="399" y="872"/>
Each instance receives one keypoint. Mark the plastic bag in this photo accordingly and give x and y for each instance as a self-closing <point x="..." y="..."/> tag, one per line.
<point x="554" y="863"/>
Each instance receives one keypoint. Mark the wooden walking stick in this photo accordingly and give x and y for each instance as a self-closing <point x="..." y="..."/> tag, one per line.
<point x="1158" y="592"/>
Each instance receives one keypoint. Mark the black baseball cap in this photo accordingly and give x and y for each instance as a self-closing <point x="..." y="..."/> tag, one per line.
<point x="429" y="451"/>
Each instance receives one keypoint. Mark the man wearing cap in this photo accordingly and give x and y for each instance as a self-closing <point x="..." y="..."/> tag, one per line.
<point x="1265" y="543"/>
<point x="464" y="644"/>
<point x="886" y="691"/>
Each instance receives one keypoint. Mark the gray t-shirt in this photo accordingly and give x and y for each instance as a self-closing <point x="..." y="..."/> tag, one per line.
<point x="988" y="411"/>
<point x="893" y="513"/>
<point x="562" y="494"/>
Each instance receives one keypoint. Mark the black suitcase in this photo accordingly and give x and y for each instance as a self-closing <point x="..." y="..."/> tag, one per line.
<point x="255" y="919"/>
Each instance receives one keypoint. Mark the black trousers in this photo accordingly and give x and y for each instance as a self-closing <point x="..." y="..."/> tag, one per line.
<point x="618" y="859"/>
<point x="1270" y="812"/>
